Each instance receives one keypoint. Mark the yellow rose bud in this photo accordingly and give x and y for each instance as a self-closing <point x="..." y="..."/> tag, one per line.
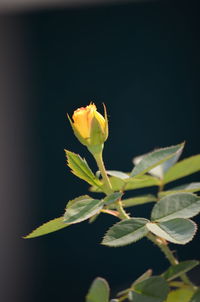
<point x="89" y="126"/>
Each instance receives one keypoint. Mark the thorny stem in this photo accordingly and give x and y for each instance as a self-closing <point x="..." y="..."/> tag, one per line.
<point x="123" y="214"/>
<point x="99" y="160"/>
<point x="169" y="255"/>
<point x="165" y="249"/>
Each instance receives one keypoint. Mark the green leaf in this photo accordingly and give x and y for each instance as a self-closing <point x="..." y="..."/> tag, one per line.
<point x="82" y="210"/>
<point x="80" y="168"/>
<point x="71" y="202"/>
<point x="196" y="296"/>
<point x="112" y="198"/>
<point x="143" y="277"/>
<point x="48" y="227"/>
<point x="130" y="183"/>
<point x="180" y="295"/>
<point x="126" y="232"/>
<point x="178" y="230"/>
<point x="117" y="174"/>
<point x="135" y="201"/>
<point x="192" y="187"/>
<point x="160" y="170"/>
<point x="99" y="291"/>
<point x="155" y="158"/>
<point x="154" y="289"/>
<point x="178" y="205"/>
<point x="183" y="168"/>
<point x="177" y="270"/>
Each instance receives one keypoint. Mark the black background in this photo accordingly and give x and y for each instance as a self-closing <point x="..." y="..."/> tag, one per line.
<point x="140" y="59"/>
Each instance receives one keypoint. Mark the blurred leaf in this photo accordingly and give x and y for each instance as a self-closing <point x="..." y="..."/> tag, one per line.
<point x="178" y="230"/>
<point x="183" y="168"/>
<point x="134" y="201"/>
<point x="196" y="296"/>
<point x="180" y="295"/>
<point x="192" y="187"/>
<point x="155" y="158"/>
<point x="80" y="168"/>
<point x="143" y="277"/>
<point x="93" y="218"/>
<point x="82" y="210"/>
<point x="130" y="183"/>
<point x="117" y="174"/>
<point x="126" y="232"/>
<point x="129" y="202"/>
<point x="178" y="205"/>
<point x="71" y="202"/>
<point x="99" y="291"/>
<point x="112" y="198"/>
<point x="153" y="289"/>
<point x="48" y="227"/>
<point x="175" y="271"/>
<point x="160" y="170"/>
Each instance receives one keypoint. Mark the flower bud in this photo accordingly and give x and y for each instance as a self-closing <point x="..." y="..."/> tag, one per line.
<point x="89" y="126"/>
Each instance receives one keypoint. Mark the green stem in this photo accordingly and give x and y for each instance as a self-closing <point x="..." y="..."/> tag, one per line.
<point x="169" y="255"/>
<point x="99" y="160"/>
<point x="123" y="214"/>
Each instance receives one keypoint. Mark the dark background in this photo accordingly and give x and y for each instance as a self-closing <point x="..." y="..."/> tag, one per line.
<point x="140" y="59"/>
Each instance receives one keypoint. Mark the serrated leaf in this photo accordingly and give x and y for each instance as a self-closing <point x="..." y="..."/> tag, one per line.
<point x="178" y="205"/>
<point x="196" y="296"/>
<point x="80" y="168"/>
<point x="160" y="170"/>
<point x="178" y="230"/>
<point x="155" y="158"/>
<point x="112" y="198"/>
<point x="48" y="227"/>
<point x="177" y="270"/>
<point x="153" y="289"/>
<point x="183" y="168"/>
<point x="82" y="210"/>
<point x="192" y="187"/>
<point x="72" y="201"/>
<point x="130" y="183"/>
<point x="180" y="295"/>
<point x="126" y="232"/>
<point x="99" y="291"/>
